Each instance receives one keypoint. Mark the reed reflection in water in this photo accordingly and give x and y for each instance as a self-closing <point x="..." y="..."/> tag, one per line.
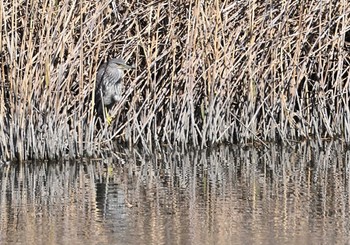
<point x="229" y="195"/>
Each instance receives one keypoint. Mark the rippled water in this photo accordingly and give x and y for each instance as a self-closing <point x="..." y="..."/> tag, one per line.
<point x="229" y="195"/>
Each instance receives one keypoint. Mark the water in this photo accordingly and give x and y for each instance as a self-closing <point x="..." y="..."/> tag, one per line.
<point x="229" y="195"/>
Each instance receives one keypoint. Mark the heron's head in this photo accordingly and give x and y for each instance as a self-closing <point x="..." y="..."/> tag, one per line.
<point x="120" y="63"/>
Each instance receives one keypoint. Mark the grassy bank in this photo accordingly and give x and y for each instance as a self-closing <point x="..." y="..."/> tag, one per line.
<point x="207" y="72"/>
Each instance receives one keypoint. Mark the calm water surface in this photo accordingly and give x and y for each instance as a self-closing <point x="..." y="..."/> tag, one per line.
<point x="229" y="195"/>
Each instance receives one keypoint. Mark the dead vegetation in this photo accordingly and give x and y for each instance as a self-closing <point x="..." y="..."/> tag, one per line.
<point x="208" y="72"/>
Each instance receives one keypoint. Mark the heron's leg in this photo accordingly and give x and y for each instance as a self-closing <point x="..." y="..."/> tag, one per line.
<point x="108" y="117"/>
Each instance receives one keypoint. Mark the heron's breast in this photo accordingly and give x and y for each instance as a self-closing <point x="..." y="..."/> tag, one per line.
<point x="113" y="93"/>
<point x="118" y="92"/>
<point x="113" y="86"/>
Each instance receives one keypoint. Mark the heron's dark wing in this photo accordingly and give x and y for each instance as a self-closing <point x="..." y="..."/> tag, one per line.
<point x="99" y="87"/>
<point x="100" y="74"/>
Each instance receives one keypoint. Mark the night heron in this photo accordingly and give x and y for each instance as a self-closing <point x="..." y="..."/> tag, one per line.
<point x="109" y="86"/>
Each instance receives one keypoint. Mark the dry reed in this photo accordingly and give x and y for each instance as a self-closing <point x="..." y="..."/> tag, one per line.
<point x="208" y="72"/>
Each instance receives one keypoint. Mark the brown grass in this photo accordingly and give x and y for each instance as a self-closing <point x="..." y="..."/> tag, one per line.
<point x="208" y="72"/>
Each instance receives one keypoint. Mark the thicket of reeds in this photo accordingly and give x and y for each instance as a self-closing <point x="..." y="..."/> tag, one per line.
<point x="208" y="72"/>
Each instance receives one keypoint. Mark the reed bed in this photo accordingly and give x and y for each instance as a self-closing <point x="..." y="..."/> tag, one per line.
<point x="208" y="72"/>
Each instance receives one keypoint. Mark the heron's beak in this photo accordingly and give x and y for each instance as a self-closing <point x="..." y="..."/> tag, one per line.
<point x="127" y="67"/>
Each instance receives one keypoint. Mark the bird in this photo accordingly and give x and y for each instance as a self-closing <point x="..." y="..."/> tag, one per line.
<point x="109" y="86"/>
